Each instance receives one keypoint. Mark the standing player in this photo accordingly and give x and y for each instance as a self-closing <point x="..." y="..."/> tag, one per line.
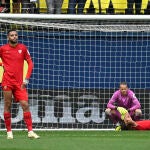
<point x="13" y="55"/>
<point x="125" y="98"/>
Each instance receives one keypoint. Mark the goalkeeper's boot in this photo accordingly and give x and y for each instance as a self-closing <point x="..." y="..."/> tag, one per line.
<point x="9" y="135"/>
<point x="118" y="127"/>
<point x="33" y="135"/>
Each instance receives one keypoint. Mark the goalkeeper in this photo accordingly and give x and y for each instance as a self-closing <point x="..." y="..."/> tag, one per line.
<point x="125" y="98"/>
<point x="131" y="124"/>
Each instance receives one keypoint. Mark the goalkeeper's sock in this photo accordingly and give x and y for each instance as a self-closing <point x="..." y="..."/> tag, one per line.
<point x="28" y="120"/>
<point x="118" y="115"/>
<point x="7" y="120"/>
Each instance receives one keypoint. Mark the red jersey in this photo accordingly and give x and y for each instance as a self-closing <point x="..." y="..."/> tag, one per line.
<point x="142" y="125"/>
<point x="13" y="62"/>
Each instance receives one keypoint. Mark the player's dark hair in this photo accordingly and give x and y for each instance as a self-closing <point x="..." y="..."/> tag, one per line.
<point x="123" y="83"/>
<point x="11" y="31"/>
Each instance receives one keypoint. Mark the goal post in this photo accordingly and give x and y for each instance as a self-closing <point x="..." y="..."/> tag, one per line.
<point x="79" y="61"/>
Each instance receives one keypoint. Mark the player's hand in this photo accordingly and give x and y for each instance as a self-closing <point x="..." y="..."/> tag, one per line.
<point x="24" y="84"/>
<point x="122" y="111"/>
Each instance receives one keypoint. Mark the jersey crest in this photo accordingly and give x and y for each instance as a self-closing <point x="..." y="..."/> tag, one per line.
<point x="19" y="51"/>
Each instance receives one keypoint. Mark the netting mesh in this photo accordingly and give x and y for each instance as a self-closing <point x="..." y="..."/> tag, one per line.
<point x="78" y="64"/>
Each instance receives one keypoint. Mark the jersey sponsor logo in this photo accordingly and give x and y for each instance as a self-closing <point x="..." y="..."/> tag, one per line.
<point x="19" y="51"/>
<point x="79" y="112"/>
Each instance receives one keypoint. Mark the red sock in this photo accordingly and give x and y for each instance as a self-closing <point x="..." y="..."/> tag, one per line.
<point x="7" y="120"/>
<point x="28" y="120"/>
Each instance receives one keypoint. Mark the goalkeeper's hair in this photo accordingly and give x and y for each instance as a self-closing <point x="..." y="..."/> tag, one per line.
<point x="123" y="83"/>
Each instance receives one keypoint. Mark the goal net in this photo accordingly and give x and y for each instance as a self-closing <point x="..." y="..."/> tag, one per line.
<point x="79" y="62"/>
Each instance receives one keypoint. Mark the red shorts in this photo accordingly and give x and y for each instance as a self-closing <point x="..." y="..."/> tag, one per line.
<point x="18" y="93"/>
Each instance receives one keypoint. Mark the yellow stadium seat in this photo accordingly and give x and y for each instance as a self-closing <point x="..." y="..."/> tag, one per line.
<point x="42" y="5"/>
<point x="65" y="6"/>
<point x="119" y="6"/>
<point x="144" y="5"/>
<point x="104" y="5"/>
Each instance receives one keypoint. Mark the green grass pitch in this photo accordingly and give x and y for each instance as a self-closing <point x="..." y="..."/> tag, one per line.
<point x="78" y="140"/>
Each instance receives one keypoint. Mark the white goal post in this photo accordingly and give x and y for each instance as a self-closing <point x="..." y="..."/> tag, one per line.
<point x="79" y="61"/>
<point x="75" y="17"/>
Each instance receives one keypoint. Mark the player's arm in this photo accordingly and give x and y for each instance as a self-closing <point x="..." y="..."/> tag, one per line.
<point x="30" y="66"/>
<point x="111" y="103"/>
<point x="136" y="103"/>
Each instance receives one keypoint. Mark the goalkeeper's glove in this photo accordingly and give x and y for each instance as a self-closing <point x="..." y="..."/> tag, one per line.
<point x="122" y="111"/>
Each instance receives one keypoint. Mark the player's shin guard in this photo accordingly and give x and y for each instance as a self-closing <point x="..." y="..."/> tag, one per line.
<point x="7" y="120"/>
<point x="28" y="120"/>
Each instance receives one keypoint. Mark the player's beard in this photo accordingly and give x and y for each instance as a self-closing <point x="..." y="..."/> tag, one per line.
<point x="13" y="42"/>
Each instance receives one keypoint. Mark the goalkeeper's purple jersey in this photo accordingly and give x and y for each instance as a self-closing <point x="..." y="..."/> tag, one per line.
<point x="129" y="101"/>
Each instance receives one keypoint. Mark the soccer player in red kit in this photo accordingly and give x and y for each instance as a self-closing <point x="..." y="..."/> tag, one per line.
<point x="13" y="55"/>
<point x="133" y="125"/>
<point x="136" y="125"/>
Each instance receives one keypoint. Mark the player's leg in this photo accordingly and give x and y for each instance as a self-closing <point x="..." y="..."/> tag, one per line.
<point x="7" y="108"/>
<point x="115" y="116"/>
<point x="28" y="119"/>
<point x="21" y="95"/>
